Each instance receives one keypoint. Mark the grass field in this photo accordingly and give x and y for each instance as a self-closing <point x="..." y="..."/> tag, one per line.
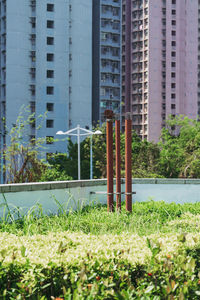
<point x="152" y="253"/>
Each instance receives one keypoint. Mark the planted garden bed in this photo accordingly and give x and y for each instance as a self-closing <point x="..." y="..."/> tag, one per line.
<point x="91" y="254"/>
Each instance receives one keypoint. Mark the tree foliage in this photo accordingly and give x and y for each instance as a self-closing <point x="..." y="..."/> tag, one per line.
<point x="180" y="148"/>
<point x="177" y="155"/>
<point x="20" y="154"/>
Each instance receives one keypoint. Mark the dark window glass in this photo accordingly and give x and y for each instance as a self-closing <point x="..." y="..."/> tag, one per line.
<point x="50" y="7"/>
<point x="50" y="106"/>
<point x="50" y="24"/>
<point x="50" y="57"/>
<point x="49" y="123"/>
<point x="50" y="40"/>
<point x="50" y="90"/>
<point x="50" y="73"/>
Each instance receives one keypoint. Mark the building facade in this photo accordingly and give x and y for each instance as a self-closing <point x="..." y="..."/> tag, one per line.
<point x="106" y="91"/>
<point x="46" y="50"/>
<point x="159" y="62"/>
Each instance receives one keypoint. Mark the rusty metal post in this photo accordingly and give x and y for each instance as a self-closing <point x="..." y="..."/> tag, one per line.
<point x="118" y="163"/>
<point x="109" y="146"/>
<point x="128" y="166"/>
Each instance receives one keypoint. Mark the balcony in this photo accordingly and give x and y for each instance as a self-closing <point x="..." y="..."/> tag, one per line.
<point x="109" y="55"/>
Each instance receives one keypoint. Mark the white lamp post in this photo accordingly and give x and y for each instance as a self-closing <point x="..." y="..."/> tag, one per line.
<point x="78" y="133"/>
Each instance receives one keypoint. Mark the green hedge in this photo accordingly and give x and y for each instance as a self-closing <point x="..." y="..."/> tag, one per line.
<point x="170" y="277"/>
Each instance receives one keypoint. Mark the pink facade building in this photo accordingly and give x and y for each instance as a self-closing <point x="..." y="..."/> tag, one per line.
<point x="159" y="62"/>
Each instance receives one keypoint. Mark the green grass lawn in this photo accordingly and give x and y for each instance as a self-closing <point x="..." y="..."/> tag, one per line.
<point x="152" y="253"/>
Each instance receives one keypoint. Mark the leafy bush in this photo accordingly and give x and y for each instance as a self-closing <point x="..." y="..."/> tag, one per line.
<point x="150" y="254"/>
<point x="171" y="276"/>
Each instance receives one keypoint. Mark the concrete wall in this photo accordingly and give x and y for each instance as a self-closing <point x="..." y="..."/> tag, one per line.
<point x="75" y="194"/>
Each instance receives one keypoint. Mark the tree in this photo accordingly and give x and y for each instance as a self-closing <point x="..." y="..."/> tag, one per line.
<point x="145" y="157"/>
<point x="180" y="148"/>
<point x="21" y="153"/>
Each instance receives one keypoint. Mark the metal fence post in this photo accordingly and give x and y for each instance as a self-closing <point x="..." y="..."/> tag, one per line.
<point x="109" y="147"/>
<point x="128" y="166"/>
<point x="118" y="163"/>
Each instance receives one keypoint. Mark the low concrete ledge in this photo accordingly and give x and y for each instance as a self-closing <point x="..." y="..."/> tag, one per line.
<point x="52" y="185"/>
<point x="73" y="194"/>
<point x="164" y="181"/>
<point x="56" y="185"/>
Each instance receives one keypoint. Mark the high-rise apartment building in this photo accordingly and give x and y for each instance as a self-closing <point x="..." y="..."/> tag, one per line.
<point x="46" y="50"/>
<point x="106" y="92"/>
<point x="159" y="62"/>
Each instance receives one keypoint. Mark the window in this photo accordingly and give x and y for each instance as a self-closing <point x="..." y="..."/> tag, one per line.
<point x="33" y="56"/>
<point x="50" y="24"/>
<point x="173" y="96"/>
<point x="32" y="106"/>
<point x="50" y="106"/>
<point x="49" y="123"/>
<point x="33" y="22"/>
<point x="32" y="122"/>
<point x="33" y="5"/>
<point x="50" y="57"/>
<point x="173" y="54"/>
<point x="33" y="39"/>
<point x="173" y="64"/>
<point x="173" y="43"/>
<point x="50" y="40"/>
<point x="173" y="22"/>
<point x="173" y="1"/>
<point x="163" y="53"/>
<point x="50" y="73"/>
<point x="50" y="90"/>
<point x="173" y="12"/>
<point x="32" y="89"/>
<point x="49" y="140"/>
<point x="173" y="85"/>
<point x="173" y="106"/>
<point x="173" y="32"/>
<point x="50" y="7"/>
<point x="173" y="75"/>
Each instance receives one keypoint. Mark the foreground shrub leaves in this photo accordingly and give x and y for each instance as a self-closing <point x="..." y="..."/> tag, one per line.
<point x="106" y="271"/>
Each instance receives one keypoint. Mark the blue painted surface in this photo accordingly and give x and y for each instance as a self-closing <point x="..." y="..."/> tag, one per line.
<point x="72" y="65"/>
